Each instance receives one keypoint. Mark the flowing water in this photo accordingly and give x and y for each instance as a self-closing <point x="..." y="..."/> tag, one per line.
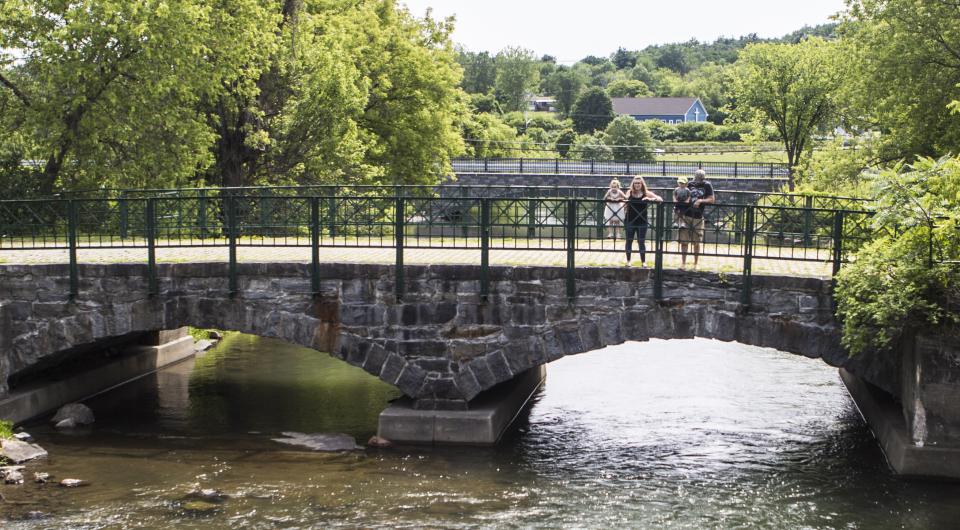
<point x="662" y="434"/>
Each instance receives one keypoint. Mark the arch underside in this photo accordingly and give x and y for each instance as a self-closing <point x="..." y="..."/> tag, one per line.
<point x="442" y="345"/>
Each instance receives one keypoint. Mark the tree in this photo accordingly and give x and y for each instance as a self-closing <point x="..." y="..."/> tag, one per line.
<point x="628" y="88"/>
<point x="488" y="136"/>
<point x="674" y="57"/>
<point x="903" y="72"/>
<point x="794" y="87"/>
<point x="565" y="141"/>
<point x="629" y="140"/>
<point x="518" y="73"/>
<point x="479" y="71"/>
<point x="591" y="147"/>
<point x="593" y="110"/>
<point x="106" y="89"/>
<point x="565" y="85"/>
<point x="624" y="59"/>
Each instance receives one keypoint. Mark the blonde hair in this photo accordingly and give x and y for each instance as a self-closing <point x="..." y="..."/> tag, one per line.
<point x="615" y="182"/>
<point x="643" y="186"/>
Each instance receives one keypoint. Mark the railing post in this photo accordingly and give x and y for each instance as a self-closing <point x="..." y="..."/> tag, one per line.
<point x="658" y="251"/>
<point x="232" y="239"/>
<point x="315" y="245"/>
<point x="521" y="164"/>
<point x="202" y="213"/>
<point x="599" y="210"/>
<point x="747" y="287"/>
<point x="484" y="249"/>
<point x="771" y="169"/>
<point x="807" y="220"/>
<point x="264" y="210"/>
<point x="571" y="226"/>
<point x="151" y="224"/>
<point x="72" y="243"/>
<point x="837" y="240"/>
<point x="486" y="168"/>
<point x="591" y="166"/>
<point x="628" y="168"/>
<point x="736" y="172"/>
<point x="399" y="227"/>
<point x="664" y="164"/>
<point x="556" y="165"/>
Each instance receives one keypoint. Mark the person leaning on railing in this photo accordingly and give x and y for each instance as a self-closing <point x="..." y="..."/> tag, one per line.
<point x="636" y="219"/>
<point x="613" y="208"/>
<point x="691" y="199"/>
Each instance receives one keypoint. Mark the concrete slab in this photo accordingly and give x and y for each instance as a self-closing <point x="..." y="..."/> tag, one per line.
<point x="489" y="416"/>
<point x="141" y="360"/>
<point x="886" y="419"/>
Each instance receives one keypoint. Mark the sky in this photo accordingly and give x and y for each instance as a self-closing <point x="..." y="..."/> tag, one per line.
<point x="571" y="31"/>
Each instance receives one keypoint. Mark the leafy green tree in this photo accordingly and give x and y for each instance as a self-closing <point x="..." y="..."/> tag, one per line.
<point x="629" y="140"/>
<point x="674" y="57"/>
<point x="902" y="279"/>
<point x="660" y="130"/>
<point x="593" y="110"/>
<point x="488" y="136"/>
<point x="479" y="71"/>
<point x="518" y="74"/>
<point x="591" y="147"/>
<point x="624" y="59"/>
<point x="628" y="88"/>
<point x="485" y="103"/>
<point x="106" y="89"/>
<point x="903" y="71"/>
<point x="565" y="85"/>
<point x="565" y="141"/>
<point x="794" y="87"/>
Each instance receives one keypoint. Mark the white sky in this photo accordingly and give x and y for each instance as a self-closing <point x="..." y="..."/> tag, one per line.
<point x="572" y="30"/>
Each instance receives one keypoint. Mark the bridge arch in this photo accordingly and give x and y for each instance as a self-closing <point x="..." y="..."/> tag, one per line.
<point x="442" y="345"/>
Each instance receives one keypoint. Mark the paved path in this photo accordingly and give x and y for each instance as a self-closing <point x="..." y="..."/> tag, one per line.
<point x="411" y="256"/>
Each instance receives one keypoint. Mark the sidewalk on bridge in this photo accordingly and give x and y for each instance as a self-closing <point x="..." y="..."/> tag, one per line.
<point x="419" y="256"/>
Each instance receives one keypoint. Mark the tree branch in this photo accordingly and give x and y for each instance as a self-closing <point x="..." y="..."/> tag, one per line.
<point x="16" y="91"/>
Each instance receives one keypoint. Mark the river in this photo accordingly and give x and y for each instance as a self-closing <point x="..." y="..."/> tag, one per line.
<point x="663" y="434"/>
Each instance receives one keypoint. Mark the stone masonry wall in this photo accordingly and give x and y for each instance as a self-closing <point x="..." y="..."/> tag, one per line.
<point x="442" y="345"/>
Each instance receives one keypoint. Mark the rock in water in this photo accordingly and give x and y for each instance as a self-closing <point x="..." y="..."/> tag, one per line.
<point x="41" y="478"/>
<point x="23" y="436"/>
<point x="376" y="441"/>
<point x="320" y="442"/>
<point x="203" y="345"/>
<point x="13" y="477"/>
<point x="68" y="423"/>
<point x="72" y="483"/>
<point x="78" y="412"/>
<point x="17" y="451"/>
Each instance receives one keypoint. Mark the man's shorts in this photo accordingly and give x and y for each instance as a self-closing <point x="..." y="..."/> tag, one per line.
<point x="691" y="231"/>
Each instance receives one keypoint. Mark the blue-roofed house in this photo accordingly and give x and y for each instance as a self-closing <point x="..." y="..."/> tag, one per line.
<point x="669" y="110"/>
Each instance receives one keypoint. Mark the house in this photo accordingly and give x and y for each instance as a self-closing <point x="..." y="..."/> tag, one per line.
<point x="542" y="104"/>
<point x="669" y="110"/>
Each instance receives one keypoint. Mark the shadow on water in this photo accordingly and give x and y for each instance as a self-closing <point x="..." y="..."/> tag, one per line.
<point x="660" y="434"/>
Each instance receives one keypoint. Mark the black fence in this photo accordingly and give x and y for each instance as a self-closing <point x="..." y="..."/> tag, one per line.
<point x="608" y="167"/>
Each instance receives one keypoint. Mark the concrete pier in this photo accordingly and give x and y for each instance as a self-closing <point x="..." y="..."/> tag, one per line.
<point x="489" y="415"/>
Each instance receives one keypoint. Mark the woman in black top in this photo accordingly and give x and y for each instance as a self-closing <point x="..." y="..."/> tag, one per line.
<point x="636" y="220"/>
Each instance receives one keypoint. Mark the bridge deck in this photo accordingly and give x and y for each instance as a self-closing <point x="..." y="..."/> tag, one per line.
<point x="422" y="256"/>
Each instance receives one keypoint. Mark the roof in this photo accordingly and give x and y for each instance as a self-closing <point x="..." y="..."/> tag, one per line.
<point x="653" y="106"/>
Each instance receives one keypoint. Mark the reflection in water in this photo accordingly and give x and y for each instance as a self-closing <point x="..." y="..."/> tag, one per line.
<point x="661" y="434"/>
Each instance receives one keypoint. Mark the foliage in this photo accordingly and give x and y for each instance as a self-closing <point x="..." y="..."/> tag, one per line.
<point x="565" y="85"/>
<point x="488" y="136"/>
<point x="485" y="103"/>
<point x="479" y="71"/>
<point x="591" y="147"/>
<point x="903" y="71"/>
<point x="628" y="88"/>
<point x="900" y="280"/>
<point x="793" y="87"/>
<point x="518" y="74"/>
<point x="593" y="110"/>
<point x="629" y="140"/>
<point x="692" y="131"/>
<point x="6" y="429"/>
<point x="565" y="141"/>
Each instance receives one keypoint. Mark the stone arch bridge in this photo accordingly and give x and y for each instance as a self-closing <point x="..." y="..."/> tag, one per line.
<point x="442" y="345"/>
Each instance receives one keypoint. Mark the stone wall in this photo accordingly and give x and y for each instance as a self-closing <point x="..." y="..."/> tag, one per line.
<point x="442" y="345"/>
<point x="751" y="184"/>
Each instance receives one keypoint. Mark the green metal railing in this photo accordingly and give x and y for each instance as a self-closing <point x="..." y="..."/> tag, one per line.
<point x="485" y="224"/>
